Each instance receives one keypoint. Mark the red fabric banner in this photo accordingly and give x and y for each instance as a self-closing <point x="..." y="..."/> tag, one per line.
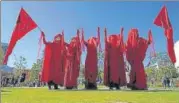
<point x="24" y="25"/>
<point x="163" y="21"/>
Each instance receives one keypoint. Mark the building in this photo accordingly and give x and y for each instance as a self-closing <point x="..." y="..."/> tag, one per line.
<point x="4" y="47"/>
<point x="5" y="68"/>
<point x="161" y="60"/>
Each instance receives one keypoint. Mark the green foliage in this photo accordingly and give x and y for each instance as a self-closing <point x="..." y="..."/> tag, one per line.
<point x="36" y="67"/>
<point x="159" y="73"/>
<point x="19" y="65"/>
<point x="165" y="68"/>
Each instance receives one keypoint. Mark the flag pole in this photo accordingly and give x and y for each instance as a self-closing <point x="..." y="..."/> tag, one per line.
<point x="39" y="41"/>
<point x="39" y="28"/>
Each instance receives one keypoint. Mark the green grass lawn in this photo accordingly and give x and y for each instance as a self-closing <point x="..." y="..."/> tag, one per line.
<point x="43" y="95"/>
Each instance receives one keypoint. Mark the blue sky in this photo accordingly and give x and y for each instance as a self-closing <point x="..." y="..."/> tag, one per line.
<point x="53" y="17"/>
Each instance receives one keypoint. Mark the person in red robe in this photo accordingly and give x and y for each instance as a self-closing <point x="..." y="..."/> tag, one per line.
<point x="73" y="55"/>
<point x="130" y="50"/>
<point x="138" y="46"/>
<point x="53" y="70"/>
<point x="114" y="71"/>
<point x="91" y="62"/>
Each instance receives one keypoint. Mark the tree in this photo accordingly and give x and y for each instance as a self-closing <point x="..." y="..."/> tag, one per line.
<point x="36" y="67"/>
<point x="100" y="60"/>
<point x="160" y="67"/>
<point x="20" y="64"/>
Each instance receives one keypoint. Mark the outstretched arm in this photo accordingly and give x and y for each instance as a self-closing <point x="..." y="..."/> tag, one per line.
<point x="79" y="46"/>
<point x="119" y="39"/>
<point x="105" y="38"/>
<point x="150" y="38"/>
<point x="83" y="40"/>
<point x="122" y="44"/>
<point x="78" y="38"/>
<point x="99" y="43"/>
<point x="44" y="40"/>
<point x="62" y="40"/>
<point x="151" y="42"/>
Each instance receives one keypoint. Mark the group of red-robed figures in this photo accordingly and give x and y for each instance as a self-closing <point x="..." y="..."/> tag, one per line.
<point x="61" y="63"/>
<point x="114" y="65"/>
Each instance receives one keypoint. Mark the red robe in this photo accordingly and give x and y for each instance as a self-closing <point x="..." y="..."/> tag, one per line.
<point x="72" y="62"/>
<point x="138" y="46"/>
<point x="141" y="49"/>
<point x="47" y="67"/>
<point x="68" y="78"/>
<point x="106" y="61"/>
<point x="122" y="71"/>
<point x="58" y="62"/>
<point x="114" y="70"/>
<point x="52" y="66"/>
<point x="131" y="50"/>
<point x="91" y="62"/>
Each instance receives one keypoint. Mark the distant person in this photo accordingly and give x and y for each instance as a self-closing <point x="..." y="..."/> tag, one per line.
<point x="172" y="83"/>
<point x="34" y="84"/>
<point x="153" y="82"/>
<point x="12" y="81"/>
<point x="164" y="82"/>
<point x="168" y="82"/>
<point x="22" y="77"/>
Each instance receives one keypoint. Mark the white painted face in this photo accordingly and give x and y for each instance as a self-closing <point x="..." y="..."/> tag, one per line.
<point x="176" y="49"/>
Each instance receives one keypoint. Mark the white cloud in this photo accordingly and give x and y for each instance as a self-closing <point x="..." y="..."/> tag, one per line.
<point x="176" y="48"/>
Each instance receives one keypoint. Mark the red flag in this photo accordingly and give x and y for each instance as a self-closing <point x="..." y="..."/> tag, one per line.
<point x="162" y="18"/>
<point x="24" y="25"/>
<point x="170" y="44"/>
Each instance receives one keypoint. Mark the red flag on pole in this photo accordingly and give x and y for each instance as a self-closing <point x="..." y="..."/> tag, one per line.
<point x="163" y="21"/>
<point x="24" y="25"/>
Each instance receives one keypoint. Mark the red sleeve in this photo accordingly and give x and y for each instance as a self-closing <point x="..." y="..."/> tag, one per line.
<point x="44" y="40"/>
<point x="83" y="40"/>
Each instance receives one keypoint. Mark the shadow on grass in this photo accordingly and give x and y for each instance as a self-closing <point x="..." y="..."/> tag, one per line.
<point x="5" y="91"/>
